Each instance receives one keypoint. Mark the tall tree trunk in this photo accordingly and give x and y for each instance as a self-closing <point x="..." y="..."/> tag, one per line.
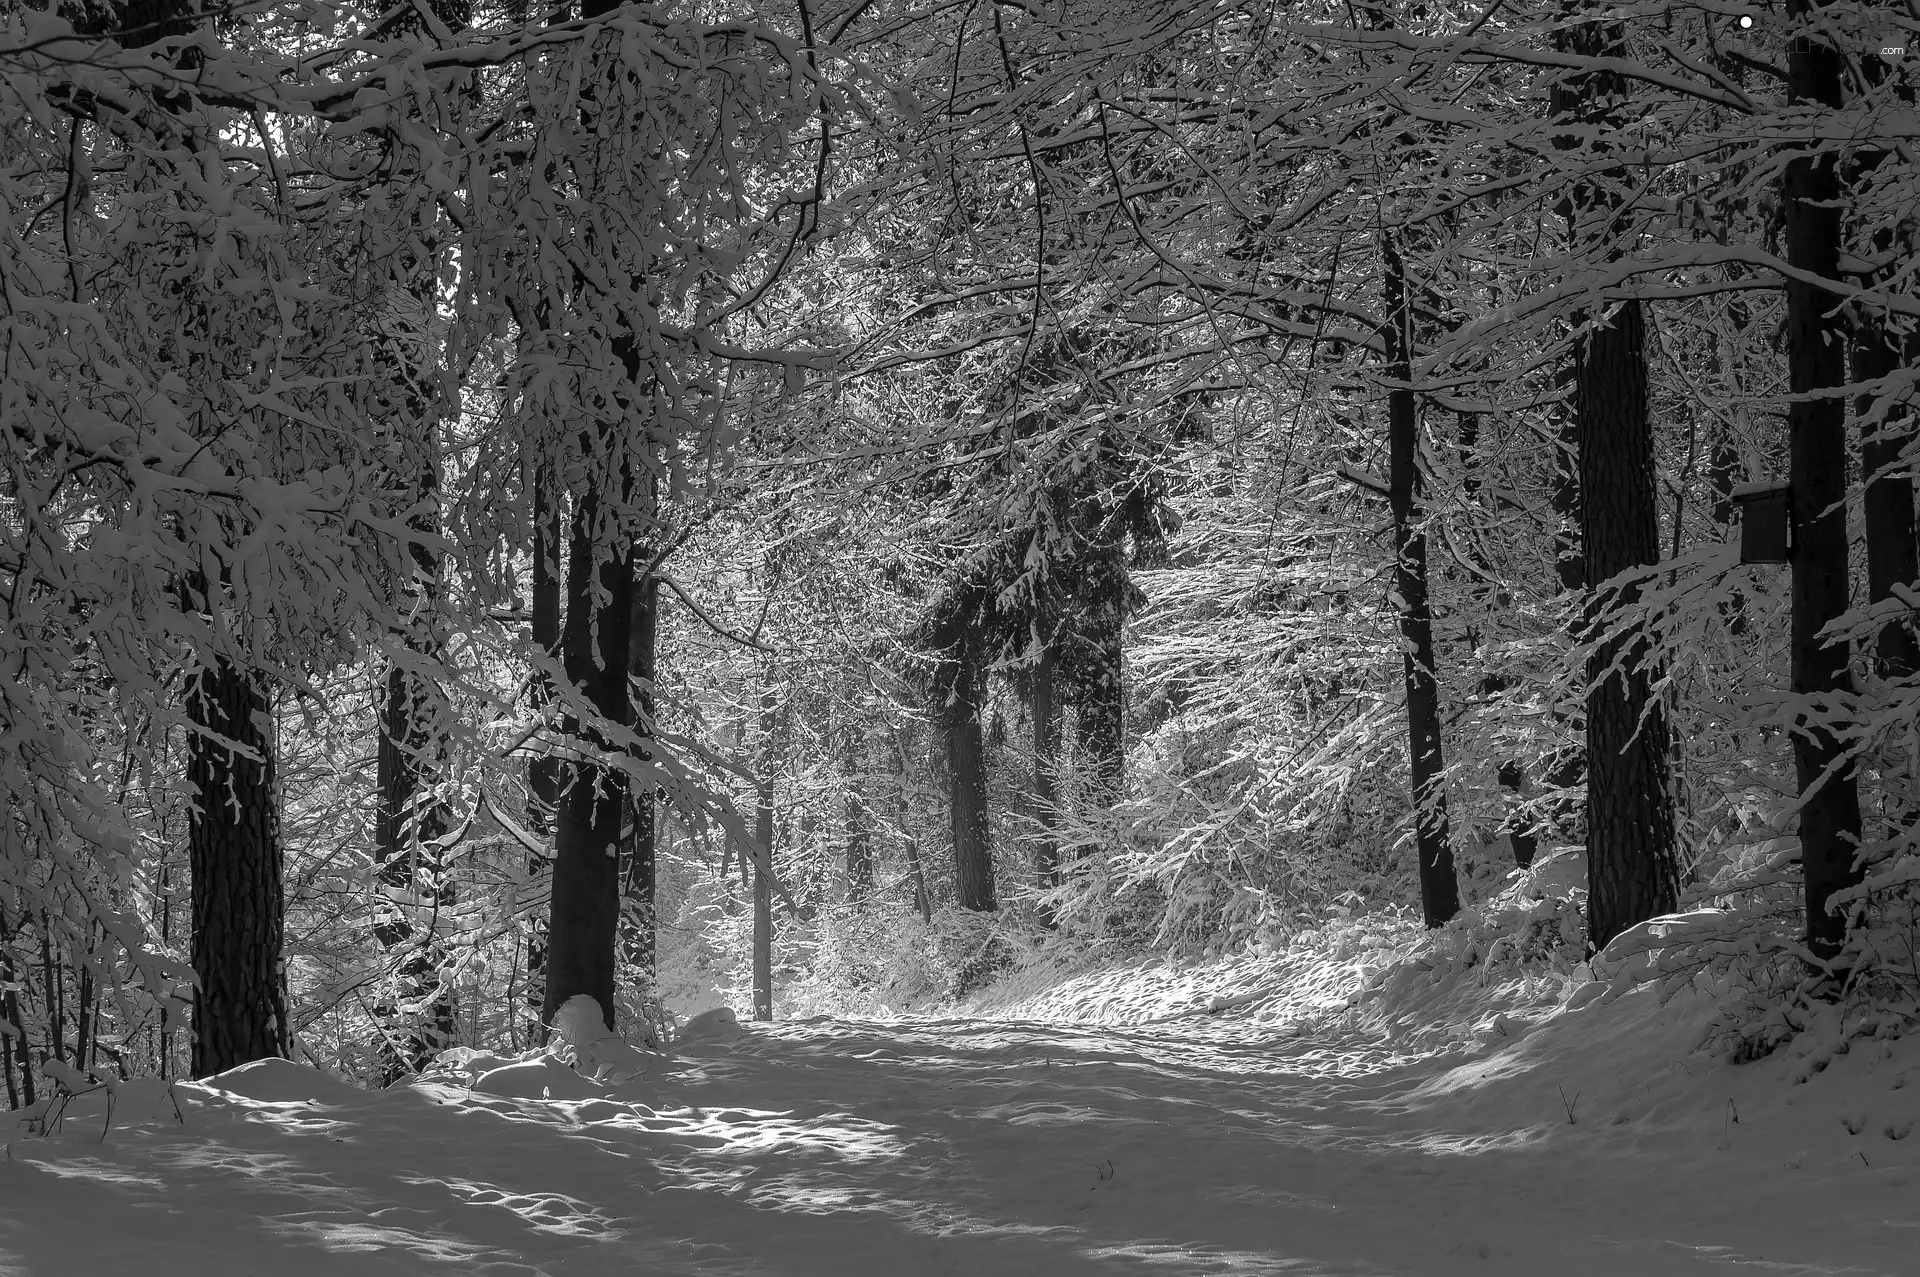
<point x="585" y="914"/>
<point x="240" y="1008"/>
<point x="967" y="783"/>
<point x="1046" y="755"/>
<point x="1817" y="451"/>
<point x="763" y="855"/>
<point x="544" y="771"/>
<point x="1631" y="870"/>
<point x="639" y="873"/>
<point x="1439" y="890"/>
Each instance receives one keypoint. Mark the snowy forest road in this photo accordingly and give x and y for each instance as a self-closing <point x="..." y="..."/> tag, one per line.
<point x="964" y="1146"/>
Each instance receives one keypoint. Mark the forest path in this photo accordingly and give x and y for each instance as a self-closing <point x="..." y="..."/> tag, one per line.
<point x="1200" y="1146"/>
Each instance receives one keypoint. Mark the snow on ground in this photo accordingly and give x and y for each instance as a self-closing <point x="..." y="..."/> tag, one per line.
<point x="1244" y="1116"/>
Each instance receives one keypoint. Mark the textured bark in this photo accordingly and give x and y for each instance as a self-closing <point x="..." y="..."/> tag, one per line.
<point x="585" y="914"/>
<point x="239" y="1009"/>
<point x="638" y="868"/>
<point x="1046" y="756"/>
<point x="967" y="785"/>
<point x="1439" y="890"/>
<point x="1829" y="805"/>
<point x="1631" y="871"/>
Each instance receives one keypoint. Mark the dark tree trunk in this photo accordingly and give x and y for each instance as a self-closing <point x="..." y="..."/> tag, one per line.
<point x="1892" y="556"/>
<point x="240" y="1008"/>
<point x="1631" y="871"/>
<point x="639" y="873"/>
<point x="1046" y="757"/>
<point x="967" y="784"/>
<point x="1817" y="451"/>
<point x="1439" y="890"/>
<point x="585" y="914"/>
<point x="1098" y="666"/>
<point x="1726" y="473"/>
<point x="543" y="773"/>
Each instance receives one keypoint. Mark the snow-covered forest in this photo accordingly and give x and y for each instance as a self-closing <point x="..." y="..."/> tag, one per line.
<point x="539" y="542"/>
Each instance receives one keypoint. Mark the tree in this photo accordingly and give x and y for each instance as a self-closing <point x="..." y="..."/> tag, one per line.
<point x="240" y="1006"/>
<point x="1631" y="872"/>
<point x="1439" y="890"/>
<point x="1811" y="199"/>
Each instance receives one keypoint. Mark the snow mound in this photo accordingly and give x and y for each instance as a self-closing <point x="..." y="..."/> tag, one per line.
<point x="719" y="1022"/>
<point x="281" y="1082"/>
<point x="541" y="1078"/>
<point x="594" y="1050"/>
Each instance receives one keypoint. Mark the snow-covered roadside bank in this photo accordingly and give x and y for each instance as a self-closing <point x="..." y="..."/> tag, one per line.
<point x="1242" y="1116"/>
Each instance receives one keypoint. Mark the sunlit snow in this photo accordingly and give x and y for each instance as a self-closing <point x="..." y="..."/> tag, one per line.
<point x="1227" y="1118"/>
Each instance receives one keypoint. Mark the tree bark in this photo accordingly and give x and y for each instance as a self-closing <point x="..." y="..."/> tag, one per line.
<point x="1631" y="871"/>
<point x="1439" y="890"/>
<point x="967" y="784"/>
<point x="585" y="913"/>
<point x="1816" y="346"/>
<point x="240" y="1008"/>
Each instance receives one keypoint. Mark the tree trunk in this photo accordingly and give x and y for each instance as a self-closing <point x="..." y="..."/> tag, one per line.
<point x="967" y="784"/>
<point x="1725" y="473"/>
<point x="544" y="772"/>
<point x="1046" y="755"/>
<point x="638" y="855"/>
<point x="240" y="1008"/>
<point x="1817" y="451"/>
<point x="585" y="914"/>
<point x="1439" y="891"/>
<point x="1631" y="872"/>
<point x="763" y="857"/>
<point x="1099" y="668"/>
